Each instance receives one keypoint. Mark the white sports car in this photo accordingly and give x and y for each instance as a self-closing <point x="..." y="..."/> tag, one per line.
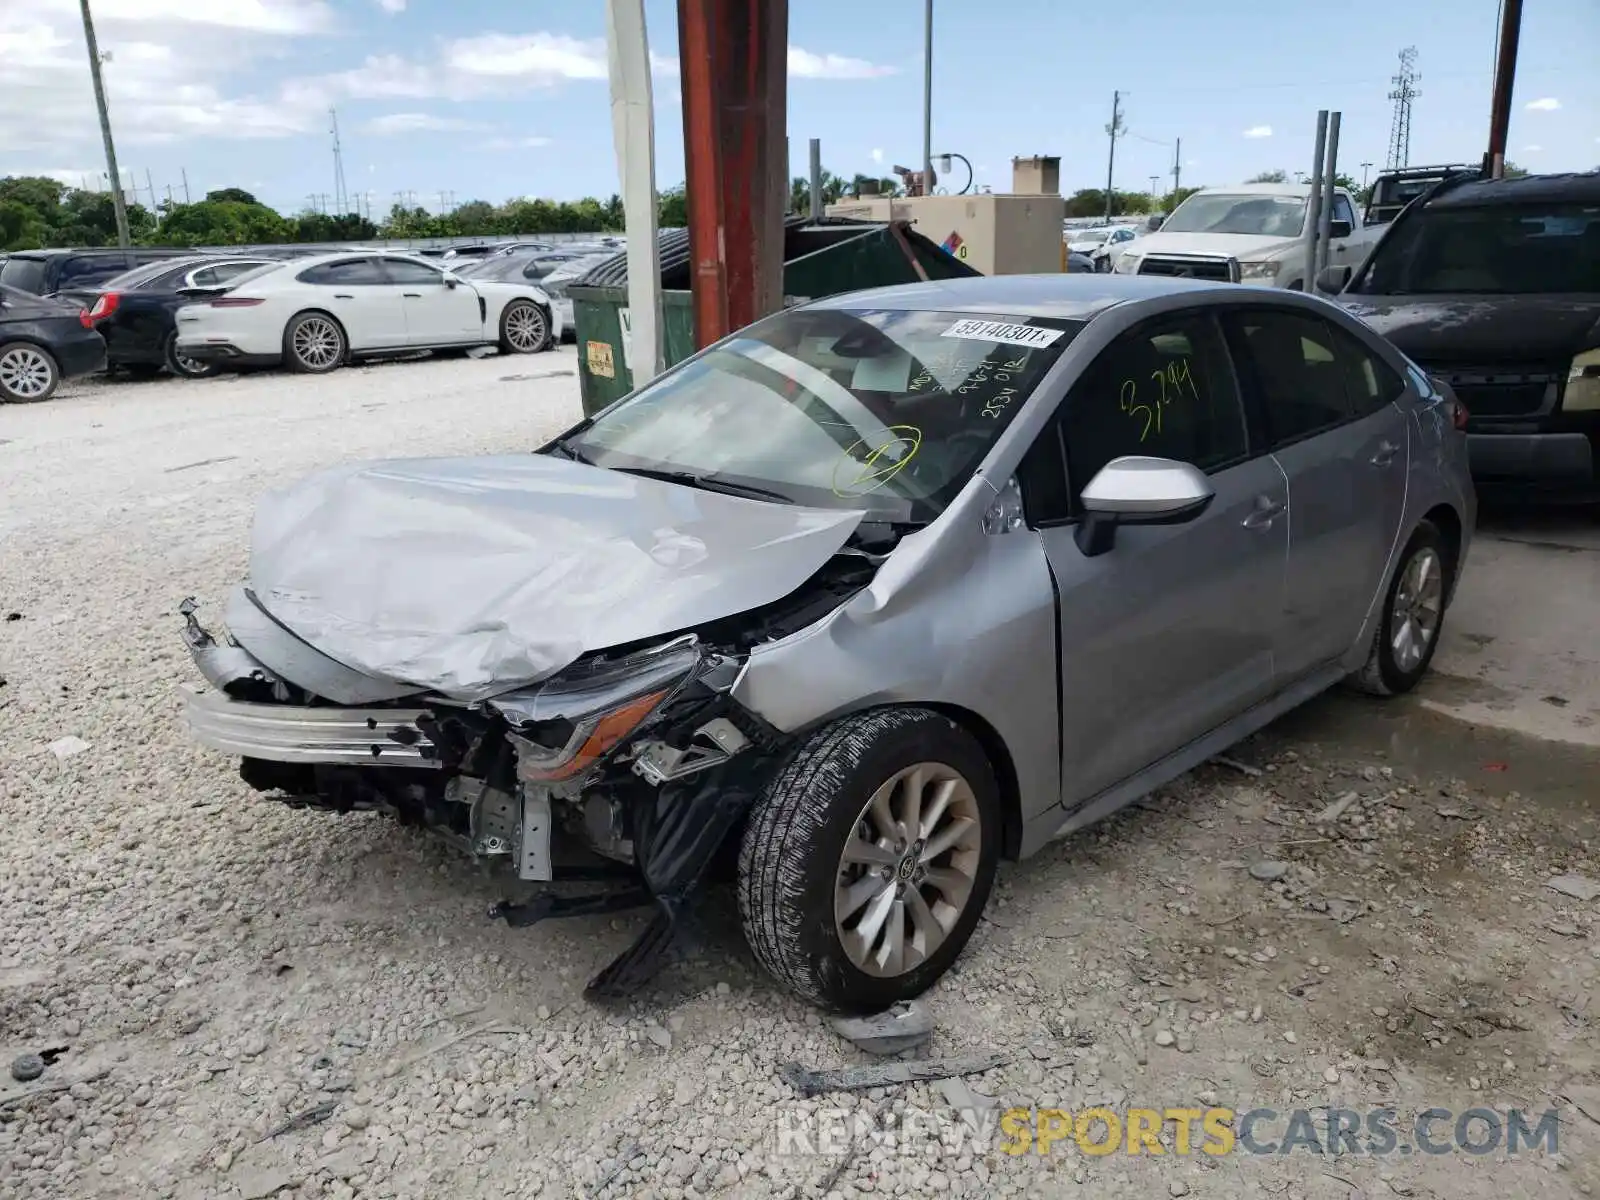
<point x="315" y="314"/>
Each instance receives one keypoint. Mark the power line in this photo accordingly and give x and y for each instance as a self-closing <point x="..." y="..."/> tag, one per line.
<point x="340" y="198"/>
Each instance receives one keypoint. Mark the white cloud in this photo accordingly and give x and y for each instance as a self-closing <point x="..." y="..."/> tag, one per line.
<point x="514" y="143"/>
<point x="877" y="155"/>
<point x="1532" y="149"/>
<point x="256" y="16"/>
<point x="1543" y="104"/>
<point x="803" y="64"/>
<point x="1258" y="131"/>
<point x="392" y="6"/>
<point x="538" y="59"/>
<point x="414" y="122"/>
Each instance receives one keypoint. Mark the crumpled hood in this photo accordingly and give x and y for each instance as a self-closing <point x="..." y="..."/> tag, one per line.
<point x="474" y="576"/>
<point x="1245" y="247"/>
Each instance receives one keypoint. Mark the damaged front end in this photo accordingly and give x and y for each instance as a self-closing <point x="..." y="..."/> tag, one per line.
<point x="631" y="768"/>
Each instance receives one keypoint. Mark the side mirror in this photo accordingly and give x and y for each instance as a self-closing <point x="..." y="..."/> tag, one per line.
<point x="1154" y="223"/>
<point x="1332" y="279"/>
<point x="451" y="281"/>
<point x="1139" y="491"/>
<point x="1339" y="229"/>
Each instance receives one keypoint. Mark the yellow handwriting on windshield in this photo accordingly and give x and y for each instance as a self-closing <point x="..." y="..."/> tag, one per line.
<point x="872" y="462"/>
<point x="1173" y="384"/>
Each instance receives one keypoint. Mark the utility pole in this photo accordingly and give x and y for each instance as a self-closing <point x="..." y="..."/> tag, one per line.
<point x="1505" y="71"/>
<point x="1114" y="130"/>
<point x="1405" y="91"/>
<point x="340" y="193"/>
<point x="151" y="185"/>
<point x="118" y="203"/>
<point x="185" y="172"/>
<point x="1177" y="166"/>
<point x="1154" y="179"/>
<point x="927" y="101"/>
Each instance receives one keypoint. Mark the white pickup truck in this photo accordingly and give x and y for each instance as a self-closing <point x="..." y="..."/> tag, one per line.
<point x="1251" y="233"/>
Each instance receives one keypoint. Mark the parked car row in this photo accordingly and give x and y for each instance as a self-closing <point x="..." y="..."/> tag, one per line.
<point x="187" y="314"/>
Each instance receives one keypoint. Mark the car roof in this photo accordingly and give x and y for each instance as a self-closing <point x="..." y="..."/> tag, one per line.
<point x="1258" y="189"/>
<point x="149" y="252"/>
<point x="1066" y="296"/>
<point x="1570" y="188"/>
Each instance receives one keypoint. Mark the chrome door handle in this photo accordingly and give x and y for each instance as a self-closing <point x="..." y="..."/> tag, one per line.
<point x="412" y="295"/>
<point x="343" y="296"/>
<point x="1385" y="454"/>
<point x="1267" y="511"/>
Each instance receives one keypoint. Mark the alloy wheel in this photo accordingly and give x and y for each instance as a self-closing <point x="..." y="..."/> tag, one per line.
<point x="908" y="870"/>
<point x="317" y="343"/>
<point x="1418" y="606"/>
<point x="525" y="328"/>
<point x="26" y="373"/>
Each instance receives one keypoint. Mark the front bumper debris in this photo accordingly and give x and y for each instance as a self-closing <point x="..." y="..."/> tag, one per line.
<point x="388" y="737"/>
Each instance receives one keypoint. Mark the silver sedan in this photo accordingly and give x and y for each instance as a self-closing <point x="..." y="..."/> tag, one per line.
<point x="853" y="604"/>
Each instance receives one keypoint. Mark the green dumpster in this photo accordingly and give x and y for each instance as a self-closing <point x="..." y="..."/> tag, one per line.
<point x="820" y="258"/>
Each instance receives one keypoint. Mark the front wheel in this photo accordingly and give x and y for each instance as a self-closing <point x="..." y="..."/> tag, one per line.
<point x="524" y="328"/>
<point x="1412" y="618"/>
<point x="183" y="365"/>
<point x="28" y="373"/>
<point x="314" y="344"/>
<point x="868" y="859"/>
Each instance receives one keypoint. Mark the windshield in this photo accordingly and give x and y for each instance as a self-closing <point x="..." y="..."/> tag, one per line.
<point x="1501" y="249"/>
<point x="129" y="280"/>
<point x="501" y="266"/>
<point x="883" y="410"/>
<point x="1095" y="236"/>
<point x="1219" y="212"/>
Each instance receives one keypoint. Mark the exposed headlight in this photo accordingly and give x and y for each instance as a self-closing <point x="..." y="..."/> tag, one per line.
<point x="555" y="287"/>
<point x="1126" y="264"/>
<point x="565" y="726"/>
<point x="1583" y="384"/>
<point x="1256" y="272"/>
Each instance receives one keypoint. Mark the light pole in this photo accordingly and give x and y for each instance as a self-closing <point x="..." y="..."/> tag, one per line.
<point x="118" y="204"/>
<point x="927" y="99"/>
<point x="1364" y="167"/>
<point x="1154" y="179"/>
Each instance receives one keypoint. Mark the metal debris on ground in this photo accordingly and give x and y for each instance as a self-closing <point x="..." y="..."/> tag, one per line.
<point x="855" y="1079"/>
<point x="1243" y="768"/>
<point x="1579" y="887"/>
<point x="893" y="1031"/>
<point x="303" y="1120"/>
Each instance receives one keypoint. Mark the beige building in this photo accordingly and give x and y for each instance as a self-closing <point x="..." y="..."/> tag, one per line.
<point x="999" y="233"/>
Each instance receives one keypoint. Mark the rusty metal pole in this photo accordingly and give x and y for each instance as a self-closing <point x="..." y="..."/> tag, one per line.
<point x="734" y="56"/>
<point x="1505" y="71"/>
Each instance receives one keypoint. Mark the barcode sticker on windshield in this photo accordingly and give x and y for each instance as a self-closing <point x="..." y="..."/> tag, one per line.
<point x="1002" y="331"/>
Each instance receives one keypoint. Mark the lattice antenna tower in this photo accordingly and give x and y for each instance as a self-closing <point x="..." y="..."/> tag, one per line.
<point x="1405" y="91"/>
<point x="341" y="196"/>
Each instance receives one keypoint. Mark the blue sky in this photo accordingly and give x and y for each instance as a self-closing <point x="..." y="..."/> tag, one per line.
<point x="490" y="99"/>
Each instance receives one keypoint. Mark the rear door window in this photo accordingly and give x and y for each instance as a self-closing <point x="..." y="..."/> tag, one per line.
<point x="1291" y="362"/>
<point x="349" y="272"/>
<point x="24" y="274"/>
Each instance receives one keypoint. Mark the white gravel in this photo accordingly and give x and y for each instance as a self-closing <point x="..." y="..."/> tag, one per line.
<point x="211" y="965"/>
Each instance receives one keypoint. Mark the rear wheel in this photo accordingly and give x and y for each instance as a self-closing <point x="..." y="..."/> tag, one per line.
<point x="313" y="343"/>
<point x="182" y="364"/>
<point x="28" y="373"/>
<point x="524" y="328"/>
<point x="1412" y="618"/>
<point x="868" y="859"/>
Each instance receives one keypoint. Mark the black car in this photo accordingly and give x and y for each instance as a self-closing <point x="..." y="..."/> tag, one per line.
<point x="1493" y="286"/>
<point x="136" y="311"/>
<point x="44" y="272"/>
<point x="42" y="342"/>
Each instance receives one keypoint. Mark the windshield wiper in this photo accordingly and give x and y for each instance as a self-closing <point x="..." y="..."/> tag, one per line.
<point x="570" y="451"/>
<point x="708" y="482"/>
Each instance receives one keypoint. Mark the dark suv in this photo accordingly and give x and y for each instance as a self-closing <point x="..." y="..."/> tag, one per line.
<point x="1493" y="286"/>
<point x="45" y="272"/>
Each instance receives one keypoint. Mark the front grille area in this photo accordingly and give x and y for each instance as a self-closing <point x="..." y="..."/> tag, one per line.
<point x="1217" y="270"/>
<point x="1502" y="389"/>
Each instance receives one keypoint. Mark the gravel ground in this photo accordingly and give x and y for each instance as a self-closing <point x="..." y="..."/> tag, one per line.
<point x="206" y="966"/>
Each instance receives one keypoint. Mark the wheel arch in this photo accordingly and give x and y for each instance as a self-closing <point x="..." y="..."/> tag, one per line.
<point x="1451" y="531"/>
